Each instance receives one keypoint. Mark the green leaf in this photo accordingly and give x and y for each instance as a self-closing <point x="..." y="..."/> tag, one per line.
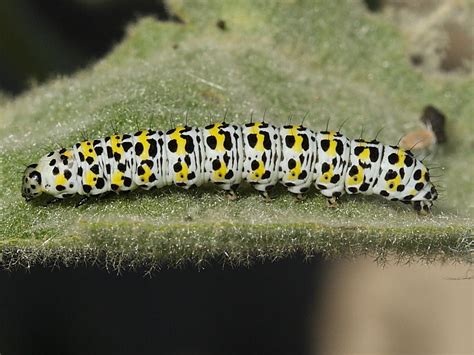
<point x="336" y="62"/>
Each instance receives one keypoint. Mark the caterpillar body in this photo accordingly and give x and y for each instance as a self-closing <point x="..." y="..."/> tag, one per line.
<point x="226" y="154"/>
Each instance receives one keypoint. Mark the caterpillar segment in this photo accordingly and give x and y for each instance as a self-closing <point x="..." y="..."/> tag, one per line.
<point x="185" y="151"/>
<point x="364" y="166"/>
<point x="225" y="155"/>
<point x="419" y="190"/>
<point x="298" y="159"/>
<point x="117" y="161"/>
<point x="150" y="158"/>
<point x="262" y="156"/>
<point x="396" y="172"/>
<point x="93" y="178"/>
<point x="333" y="150"/>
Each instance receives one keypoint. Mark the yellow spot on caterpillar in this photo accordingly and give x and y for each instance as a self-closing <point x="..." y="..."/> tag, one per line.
<point x="90" y="178"/>
<point x="423" y="175"/>
<point x="61" y="180"/>
<point x="117" y="178"/>
<point x="365" y="154"/>
<point x="295" y="172"/>
<point x="180" y="141"/>
<point x="260" y="137"/>
<point x="214" y="131"/>
<point x="182" y="175"/>
<point x="357" y="179"/>
<point x="394" y="183"/>
<point x="146" y="175"/>
<point x="332" y="144"/>
<point x="220" y="173"/>
<point x="88" y="150"/>
<point x="401" y="158"/>
<point x="326" y="177"/>
<point x="68" y="153"/>
<point x="257" y="173"/>
<point x="143" y="139"/>
<point x="293" y="131"/>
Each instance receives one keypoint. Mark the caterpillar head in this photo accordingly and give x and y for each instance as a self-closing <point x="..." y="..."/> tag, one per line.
<point x="31" y="187"/>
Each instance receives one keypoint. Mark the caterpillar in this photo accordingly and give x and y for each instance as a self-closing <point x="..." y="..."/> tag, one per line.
<point x="227" y="154"/>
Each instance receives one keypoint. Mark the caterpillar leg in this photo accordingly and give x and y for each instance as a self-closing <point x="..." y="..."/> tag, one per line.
<point x="299" y="197"/>
<point x="331" y="202"/>
<point x="54" y="200"/>
<point x="231" y="195"/>
<point x="265" y="195"/>
<point x="107" y="194"/>
<point x="423" y="208"/>
<point x="82" y="201"/>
